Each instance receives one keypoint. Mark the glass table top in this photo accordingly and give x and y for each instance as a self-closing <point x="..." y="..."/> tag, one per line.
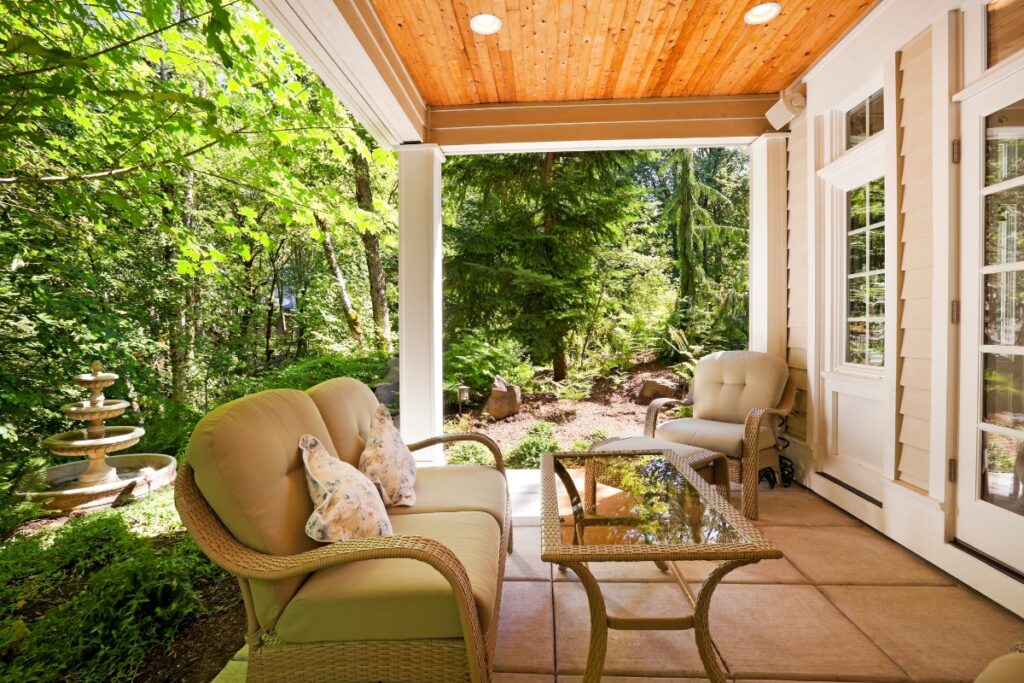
<point x="629" y="501"/>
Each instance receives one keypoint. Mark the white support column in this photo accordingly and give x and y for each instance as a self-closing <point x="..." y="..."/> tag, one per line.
<point x="768" y="244"/>
<point x="419" y="296"/>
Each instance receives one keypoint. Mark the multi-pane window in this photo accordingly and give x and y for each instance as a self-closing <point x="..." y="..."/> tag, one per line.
<point x="865" y="274"/>
<point x="864" y="120"/>
<point x="1005" y="38"/>
<point x="1002" y="338"/>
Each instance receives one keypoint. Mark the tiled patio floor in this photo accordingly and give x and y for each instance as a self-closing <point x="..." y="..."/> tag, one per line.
<point x="846" y="604"/>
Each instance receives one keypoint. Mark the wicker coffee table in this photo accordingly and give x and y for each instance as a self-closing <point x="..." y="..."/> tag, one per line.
<point x="654" y="508"/>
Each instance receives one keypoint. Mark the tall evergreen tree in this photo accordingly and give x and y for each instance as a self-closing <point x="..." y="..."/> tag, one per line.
<point x="526" y="234"/>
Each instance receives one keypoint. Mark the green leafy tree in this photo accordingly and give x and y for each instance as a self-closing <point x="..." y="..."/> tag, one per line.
<point x="527" y="232"/>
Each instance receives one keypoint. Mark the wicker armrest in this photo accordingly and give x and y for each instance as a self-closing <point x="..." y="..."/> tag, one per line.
<point x="499" y="460"/>
<point x="755" y="417"/>
<point x="653" y="410"/>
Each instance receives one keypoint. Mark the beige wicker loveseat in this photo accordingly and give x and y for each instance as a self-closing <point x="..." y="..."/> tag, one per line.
<point x="421" y="605"/>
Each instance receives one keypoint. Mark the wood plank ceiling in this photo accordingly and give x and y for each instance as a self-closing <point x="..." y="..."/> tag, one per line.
<point x="565" y="50"/>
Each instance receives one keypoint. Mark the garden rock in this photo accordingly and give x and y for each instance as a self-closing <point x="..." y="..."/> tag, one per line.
<point x="386" y="393"/>
<point x="504" y="399"/>
<point x="658" y="388"/>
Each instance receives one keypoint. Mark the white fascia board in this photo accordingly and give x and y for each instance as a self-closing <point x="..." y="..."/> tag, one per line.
<point x="321" y="35"/>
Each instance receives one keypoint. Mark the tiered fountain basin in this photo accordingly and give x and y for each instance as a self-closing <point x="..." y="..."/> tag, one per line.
<point x="100" y="480"/>
<point x="138" y="474"/>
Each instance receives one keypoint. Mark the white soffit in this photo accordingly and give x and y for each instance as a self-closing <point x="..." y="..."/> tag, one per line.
<point x="353" y="56"/>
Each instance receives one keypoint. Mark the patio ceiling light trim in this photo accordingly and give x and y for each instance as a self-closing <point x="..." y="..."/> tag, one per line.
<point x="485" y="24"/>
<point x="763" y="13"/>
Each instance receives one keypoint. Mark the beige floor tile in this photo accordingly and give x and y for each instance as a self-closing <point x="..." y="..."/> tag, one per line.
<point x="234" y="672"/>
<point x="499" y="677"/>
<point x="771" y="631"/>
<point x="936" y="633"/>
<point x="852" y="556"/>
<point x="525" y="630"/>
<point x="632" y="679"/>
<point x="524" y="563"/>
<point x="630" y="572"/>
<point x="630" y="653"/>
<point x="796" y="506"/>
<point x="765" y="571"/>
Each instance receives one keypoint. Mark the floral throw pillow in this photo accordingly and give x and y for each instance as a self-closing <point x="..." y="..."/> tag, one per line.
<point x="388" y="462"/>
<point x="346" y="504"/>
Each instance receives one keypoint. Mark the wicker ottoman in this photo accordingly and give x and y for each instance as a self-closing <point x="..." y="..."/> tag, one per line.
<point x="712" y="466"/>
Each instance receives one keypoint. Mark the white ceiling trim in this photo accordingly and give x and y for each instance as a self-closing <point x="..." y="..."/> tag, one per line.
<point x="321" y="35"/>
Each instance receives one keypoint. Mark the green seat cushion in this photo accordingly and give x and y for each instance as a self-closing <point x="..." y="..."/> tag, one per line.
<point x="455" y="488"/>
<point x="399" y="599"/>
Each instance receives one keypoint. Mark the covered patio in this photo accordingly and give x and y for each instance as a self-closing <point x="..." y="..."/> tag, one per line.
<point x="884" y="141"/>
<point x="846" y="604"/>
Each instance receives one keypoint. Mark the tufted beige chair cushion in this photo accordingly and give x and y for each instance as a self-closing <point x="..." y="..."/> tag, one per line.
<point x="347" y="407"/>
<point x="729" y="384"/>
<point x="248" y="466"/>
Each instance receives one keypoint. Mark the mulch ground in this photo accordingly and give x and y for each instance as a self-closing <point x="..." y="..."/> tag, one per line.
<point x="614" y="406"/>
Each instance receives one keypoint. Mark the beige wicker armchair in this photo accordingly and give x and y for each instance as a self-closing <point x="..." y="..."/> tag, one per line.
<point x="421" y="605"/>
<point x="739" y="400"/>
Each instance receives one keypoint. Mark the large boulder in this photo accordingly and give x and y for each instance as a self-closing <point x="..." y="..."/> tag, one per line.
<point x="658" y="388"/>
<point x="504" y="399"/>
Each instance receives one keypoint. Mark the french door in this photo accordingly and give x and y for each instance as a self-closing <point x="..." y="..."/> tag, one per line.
<point x="990" y="499"/>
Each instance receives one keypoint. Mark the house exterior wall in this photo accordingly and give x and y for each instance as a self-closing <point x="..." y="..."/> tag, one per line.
<point x="889" y="433"/>
<point x="796" y="284"/>
<point x="914" y="140"/>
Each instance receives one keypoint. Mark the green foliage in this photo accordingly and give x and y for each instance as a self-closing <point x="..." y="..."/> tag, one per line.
<point x="527" y="230"/>
<point x="311" y="371"/>
<point x="469" y="453"/>
<point x="539" y="439"/>
<point x="171" y="170"/>
<point x="583" y="445"/>
<point x="476" y="361"/>
<point x="86" y="601"/>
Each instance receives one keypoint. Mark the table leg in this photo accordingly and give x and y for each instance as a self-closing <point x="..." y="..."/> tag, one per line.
<point x="701" y="627"/>
<point x="598" y="623"/>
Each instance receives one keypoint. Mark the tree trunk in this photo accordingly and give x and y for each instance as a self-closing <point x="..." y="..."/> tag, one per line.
<point x="559" y="362"/>
<point x="351" y="315"/>
<point x="374" y="266"/>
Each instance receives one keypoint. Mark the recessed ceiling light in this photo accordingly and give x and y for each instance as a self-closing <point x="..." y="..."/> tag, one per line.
<point x="485" y="24"/>
<point x="763" y="13"/>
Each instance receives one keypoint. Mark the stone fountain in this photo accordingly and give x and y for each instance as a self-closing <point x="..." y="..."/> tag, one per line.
<point x="100" y="480"/>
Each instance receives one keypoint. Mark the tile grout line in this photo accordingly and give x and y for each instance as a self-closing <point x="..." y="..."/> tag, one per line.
<point x="862" y="631"/>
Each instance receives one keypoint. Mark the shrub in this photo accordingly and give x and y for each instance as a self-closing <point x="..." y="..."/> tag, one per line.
<point x="539" y="439"/>
<point x="476" y="362"/>
<point x="104" y="632"/>
<point x="369" y="369"/>
<point x="583" y="445"/>
<point x="469" y="453"/>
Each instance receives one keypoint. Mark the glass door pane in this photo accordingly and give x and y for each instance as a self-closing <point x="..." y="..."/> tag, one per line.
<point x="1001" y="444"/>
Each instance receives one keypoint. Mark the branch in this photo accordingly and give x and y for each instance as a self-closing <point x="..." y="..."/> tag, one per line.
<point x="111" y="173"/>
<point x="254" y="188"/>
<point x="116" y="46"/>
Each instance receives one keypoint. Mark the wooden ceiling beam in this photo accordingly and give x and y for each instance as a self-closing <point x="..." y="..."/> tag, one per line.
<point x="589" y="123"/>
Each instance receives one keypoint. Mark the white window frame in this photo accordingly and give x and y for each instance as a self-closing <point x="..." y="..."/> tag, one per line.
<point x="859" y="166"/>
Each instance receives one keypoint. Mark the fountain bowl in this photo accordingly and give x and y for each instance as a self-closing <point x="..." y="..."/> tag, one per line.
<point x="78" y="441"/>
<point x="138" y="474"/>
<point x="83" y="410"/>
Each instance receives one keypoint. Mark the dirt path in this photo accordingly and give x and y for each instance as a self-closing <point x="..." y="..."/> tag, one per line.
<point x="614" y="407"/>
